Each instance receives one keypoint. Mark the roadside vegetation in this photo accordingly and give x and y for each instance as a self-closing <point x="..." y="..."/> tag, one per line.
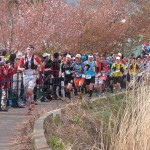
<point x="118" y="122"/>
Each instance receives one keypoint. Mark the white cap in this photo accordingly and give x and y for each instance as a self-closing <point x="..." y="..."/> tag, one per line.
<point x="90" y="56"/>
<point x="45" y="55"/>
<point x="119" y="54"/>
<point x="78" y="56"/>
<point x="19" y="55"/>
<point x="118" y="58"/>
<point x="107" y="58"/>
<point x="68" y="56"/>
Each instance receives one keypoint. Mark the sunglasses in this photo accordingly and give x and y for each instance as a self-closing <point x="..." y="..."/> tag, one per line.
<point x="29" y="49"/>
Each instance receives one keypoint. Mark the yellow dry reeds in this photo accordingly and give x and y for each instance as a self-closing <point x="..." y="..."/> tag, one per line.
<point x="133" y="132"/>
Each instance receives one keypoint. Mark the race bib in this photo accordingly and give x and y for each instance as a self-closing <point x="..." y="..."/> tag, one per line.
<point x="88" y="76"/>
<point x="111" y="74"/>
<point x="117" y="71"/>
<point x="78" y="75"/>
<point x="83" y="75"/>
<point x="131" y="78"/>
<point x="62" y="83"/>
<point x="67" y="72"/>
<point x="140" y="74"/>
<point x="134" y="73"/>
<point x="103" y="74"/>
<point x="98" y="75"/>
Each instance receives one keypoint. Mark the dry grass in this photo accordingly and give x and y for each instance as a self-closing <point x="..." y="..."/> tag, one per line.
<point x="118" y="123"/>
<point x="134" y="126"/>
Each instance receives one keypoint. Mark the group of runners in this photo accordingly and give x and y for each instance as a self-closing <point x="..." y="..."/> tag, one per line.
<point x="65" y="76"/>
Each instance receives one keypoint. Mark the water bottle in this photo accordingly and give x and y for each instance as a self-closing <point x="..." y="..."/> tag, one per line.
<point x="10" y="102"/>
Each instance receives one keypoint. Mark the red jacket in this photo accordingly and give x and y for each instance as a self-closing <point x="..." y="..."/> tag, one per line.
<point x="1" y="74"/>
<point x="101" y="66"/>
<point x="6" y="78"/>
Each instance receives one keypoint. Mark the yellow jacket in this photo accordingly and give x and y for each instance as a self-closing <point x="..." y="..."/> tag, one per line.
<point x="134" y="70"/>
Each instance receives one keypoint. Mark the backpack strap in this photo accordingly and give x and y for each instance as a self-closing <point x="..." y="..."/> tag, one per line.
<point x="32" y="59"/>
<point x="101" y="66"/>
<point x="26" y="62"/>
<point x="25" y="58"/>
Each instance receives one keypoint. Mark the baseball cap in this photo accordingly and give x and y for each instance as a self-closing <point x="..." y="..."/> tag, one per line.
<point x="118" y="58"/>
<point x="119" y="54"/>
<point x="78" y="56"/>
<point x="68" y="56"/>
<point x="90" y="56"/>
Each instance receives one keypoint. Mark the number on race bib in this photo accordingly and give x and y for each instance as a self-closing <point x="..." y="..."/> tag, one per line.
<point x="88" y="76"/>
<point x="134" y="73"/>
<point x="140" y="74"/>
<point x="98" y="75"/>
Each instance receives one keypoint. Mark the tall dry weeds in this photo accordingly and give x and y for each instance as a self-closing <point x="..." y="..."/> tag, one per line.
<point x="133" y="132"/>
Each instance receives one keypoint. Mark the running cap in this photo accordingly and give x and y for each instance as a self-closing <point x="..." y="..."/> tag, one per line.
<point x="90" y="56"/>
<point x="78" y="56"/>
<point x="107" y="58"/>
<point x="68" y="56"/>
<point x="117" y="58"/>
<point x="119" y="54"/>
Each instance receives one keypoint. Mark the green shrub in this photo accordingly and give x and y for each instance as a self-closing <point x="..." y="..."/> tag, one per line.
<point x="57" y="120"/>
<point x="55" y="143"/>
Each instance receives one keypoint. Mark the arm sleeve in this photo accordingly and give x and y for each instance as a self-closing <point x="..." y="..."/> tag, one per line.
<point x="43" y="68"/>
<point x="38" y="60"/>
<point x="21" y="62"/>
<point x="14" y="70"/>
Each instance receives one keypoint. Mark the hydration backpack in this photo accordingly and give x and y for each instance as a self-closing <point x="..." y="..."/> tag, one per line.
<point x="26" y="63"/>
<point x="121" y="68"/>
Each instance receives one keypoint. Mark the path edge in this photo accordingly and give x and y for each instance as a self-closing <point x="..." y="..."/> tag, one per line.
<point x="38" y="131"/>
